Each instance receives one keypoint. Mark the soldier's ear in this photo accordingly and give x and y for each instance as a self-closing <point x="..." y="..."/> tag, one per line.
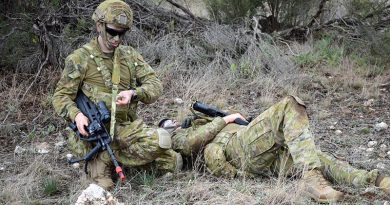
<point x="99" y="27"/>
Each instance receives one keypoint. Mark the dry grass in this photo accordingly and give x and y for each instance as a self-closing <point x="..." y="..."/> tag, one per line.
<point x="219" y="65"/>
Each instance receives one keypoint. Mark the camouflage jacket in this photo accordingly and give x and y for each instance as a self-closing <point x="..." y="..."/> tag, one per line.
<point x="89" y="69"/>
<point x="217" y="134"/>
<point x="191" y="140"/>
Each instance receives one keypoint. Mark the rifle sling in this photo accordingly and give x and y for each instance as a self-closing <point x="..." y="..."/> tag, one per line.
<point x="115" y="82"/>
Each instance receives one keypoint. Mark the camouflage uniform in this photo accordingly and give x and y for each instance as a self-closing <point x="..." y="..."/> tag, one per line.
<point x="89" y="69"/>
<point x="276" y="142"/>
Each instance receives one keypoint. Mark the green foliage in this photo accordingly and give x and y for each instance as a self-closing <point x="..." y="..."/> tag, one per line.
<point x="323" y="52"/>
<point x="80" y="28"/>
<point x="20" y="44"/>
<point x="285" y="13"/>
<point x="363" y="8"/>
<point x="48" y="130"/>
<point x="365" y="131"/>
<point x="50" y="187"/>
<point x="243" y="70"/>
<point x="371" y="51"/>
<point x="228" y="10"/>
<point x="145" y="177"/>
<point x="55" y="3"/>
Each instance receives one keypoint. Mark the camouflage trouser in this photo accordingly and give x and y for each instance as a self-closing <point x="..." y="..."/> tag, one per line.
<point x="335" y="170"/>
<point x="135" y="144"/>
<point x="279" y="142"/>
<point x="343" y="173"/>
<point x="284" y="125"/>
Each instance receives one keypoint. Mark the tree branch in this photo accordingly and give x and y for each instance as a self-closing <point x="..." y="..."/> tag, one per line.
<point x="185" y="10"/>
<point x="320" y="10"/>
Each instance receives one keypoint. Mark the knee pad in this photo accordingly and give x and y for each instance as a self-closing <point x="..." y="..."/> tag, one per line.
<point x="164" y="139"/>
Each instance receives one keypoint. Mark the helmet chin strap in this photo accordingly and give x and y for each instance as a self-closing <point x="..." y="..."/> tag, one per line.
<point x="104" y="36"/>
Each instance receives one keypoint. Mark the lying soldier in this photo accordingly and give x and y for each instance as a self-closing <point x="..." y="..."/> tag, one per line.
<point x="277" y="142"/>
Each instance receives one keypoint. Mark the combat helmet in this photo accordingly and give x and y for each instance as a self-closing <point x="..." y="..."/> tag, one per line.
<point x="115" y="12"/>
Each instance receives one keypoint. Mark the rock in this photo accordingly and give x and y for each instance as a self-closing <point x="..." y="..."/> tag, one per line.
<point x="388" y="153"/>
<point x="59" y="145"/>
<point x="381" y="165"/>
<point x="19" y="150"/>
<point x="370" y="190"/>
<point x="69" y="156"/>
<point x="2" y="168"/>
<point x="178" y="101"/>
<point x="386" y="203"/>
<point x="76" y="165"/>
<point x="372" y="143"/>
<point x="332" y="127"/>
<point x="383" y="147"/>
<point x="381" y="126"/>
<point x="368" y="103"/>
<point x="42" y="148"/>
<point x="96" y="195"/>
<point x="362" y="148"/>
<point x="382" y="155"/>
<point x="167" y="176"/>
<point x="338" y="132"/>
<point x="371" y="149"/>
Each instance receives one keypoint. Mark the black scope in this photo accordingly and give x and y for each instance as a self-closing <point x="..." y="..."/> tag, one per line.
<point x="104" y="112"/>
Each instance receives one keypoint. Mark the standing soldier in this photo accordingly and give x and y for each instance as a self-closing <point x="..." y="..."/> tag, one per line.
<point x="107" y="71"/>
<point x="277" y="142"/>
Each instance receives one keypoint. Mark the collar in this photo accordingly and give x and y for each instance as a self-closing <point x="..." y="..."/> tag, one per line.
<point x="96" y="51"/>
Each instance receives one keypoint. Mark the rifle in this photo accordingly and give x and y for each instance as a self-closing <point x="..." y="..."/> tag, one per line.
<point x="214" y="112"/>
<point x="97" y="116"/>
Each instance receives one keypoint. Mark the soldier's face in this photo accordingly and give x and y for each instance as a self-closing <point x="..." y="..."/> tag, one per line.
<point x="170" y="124"/>
<point x="112" y="35"/>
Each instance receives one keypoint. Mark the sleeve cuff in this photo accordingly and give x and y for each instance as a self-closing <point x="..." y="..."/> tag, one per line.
<point x="139" y="92"/>
<point x="72" y="113"/>
<point x="219" y="122"/>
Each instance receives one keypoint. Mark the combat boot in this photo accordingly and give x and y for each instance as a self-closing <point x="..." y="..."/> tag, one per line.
<point x="318" y="188"/>
<point x="383" y="183"/>
<point x="100" y="173"/>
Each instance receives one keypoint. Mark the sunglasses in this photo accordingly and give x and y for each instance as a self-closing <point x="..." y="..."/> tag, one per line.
<point x="114" y="32"/>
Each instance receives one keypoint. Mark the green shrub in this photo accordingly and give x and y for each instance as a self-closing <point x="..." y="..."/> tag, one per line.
<point x="228" y="10"/>
<point x="275" y="14"/>
<point x="50" y="187"/>
<point x="323" y="52"/>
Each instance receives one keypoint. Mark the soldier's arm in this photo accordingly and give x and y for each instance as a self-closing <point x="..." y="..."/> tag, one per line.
<point x="150" y="87"/>
<point x="191" y="140"/>
<point x="67" y="87"/>
<point x="216" y="162"/>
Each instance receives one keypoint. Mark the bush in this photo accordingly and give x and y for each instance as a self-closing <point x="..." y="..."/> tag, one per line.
<point x="275" y="14"/>
<point x="228" y="10"/>
<point x="323" y="52"/>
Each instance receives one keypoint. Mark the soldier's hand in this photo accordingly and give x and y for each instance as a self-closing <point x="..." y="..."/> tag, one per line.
<point x="124" y="97"/>
<point x="81" y="123"/>
<point x="230" y="118"/>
